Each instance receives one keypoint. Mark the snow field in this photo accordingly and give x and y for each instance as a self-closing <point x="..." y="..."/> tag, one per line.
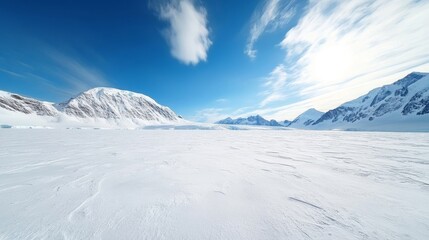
<point x="195" y="184"/>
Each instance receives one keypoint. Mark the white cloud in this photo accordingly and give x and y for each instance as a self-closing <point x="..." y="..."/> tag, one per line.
<point x="272" y="15"/>
<point x="188" y="34"/>
<point x="275" y="83"/>
<point x="340" y="50"/>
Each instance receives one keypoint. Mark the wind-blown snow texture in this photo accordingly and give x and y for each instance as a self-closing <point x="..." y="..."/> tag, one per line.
<point x="123" y="184"/>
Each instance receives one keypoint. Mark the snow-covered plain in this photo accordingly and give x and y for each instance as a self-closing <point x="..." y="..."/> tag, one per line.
<point x="196" y="184"/>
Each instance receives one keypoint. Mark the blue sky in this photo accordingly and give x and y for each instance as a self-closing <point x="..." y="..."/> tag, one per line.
<point x="216" y="58"/>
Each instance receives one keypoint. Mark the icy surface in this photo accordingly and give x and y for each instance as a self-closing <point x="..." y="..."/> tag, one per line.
<point x="154" y="184"/>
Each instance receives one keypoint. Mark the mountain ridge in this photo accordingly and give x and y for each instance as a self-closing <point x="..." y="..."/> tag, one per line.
<point x="400" y="106"/>
<point x="256" y="120"/>
<point x="405" y="99"/>
<point x="109" y="106"/>
<point x="306" y="118"/>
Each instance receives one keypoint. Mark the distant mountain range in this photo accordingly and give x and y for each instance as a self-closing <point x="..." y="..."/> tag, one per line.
<point x="301" y="121"/>
<point x="95" y="107"/>
<point x="401" y="106"/>
<point x="252" y="120"/>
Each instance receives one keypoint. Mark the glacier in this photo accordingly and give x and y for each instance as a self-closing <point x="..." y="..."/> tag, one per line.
<point x="256" y="184"/>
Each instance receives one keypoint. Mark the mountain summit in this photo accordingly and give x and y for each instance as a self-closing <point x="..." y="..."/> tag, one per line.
<point x="401" y="106"/>
<point x="111" y="103"/>
<point x="306" y="118"/>
<point x="105" y="106"/>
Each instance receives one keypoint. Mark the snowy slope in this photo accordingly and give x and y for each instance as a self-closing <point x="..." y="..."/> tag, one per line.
<point x="251" y="120"/>
<point x="16" y="103"/>
<point x="98" y="107"/>
<point x="119" y="184"/>
<point x="401" y="106"/>
<point x="285" y="123"/>
<point x="110" y="103"/>
<point x="306" y="118"/>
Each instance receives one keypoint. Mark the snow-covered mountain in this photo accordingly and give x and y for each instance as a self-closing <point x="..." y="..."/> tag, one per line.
<point x="306" y="118"/>
<point x="101" y="107"/>
<point x="285" y="123"/>
<point x="401" y="106"/>
<point x="111" y="103"/>
<point x="16" y="103"/>
<point x="252" y="120"/>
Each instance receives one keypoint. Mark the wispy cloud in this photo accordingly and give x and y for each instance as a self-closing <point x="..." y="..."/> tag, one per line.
<point x="12" y="73"/>
<point x="47" y="84"/>
<point x="56" y="72"/>
<point x="221" y="100"/>
<point x="272" y="15"/>
<point x="77" y="75"/>
<point x="275" y="83"/>
<point x="209" y="115"/>
<point x="188" y="33"/>
<point x="340" y="50"/>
